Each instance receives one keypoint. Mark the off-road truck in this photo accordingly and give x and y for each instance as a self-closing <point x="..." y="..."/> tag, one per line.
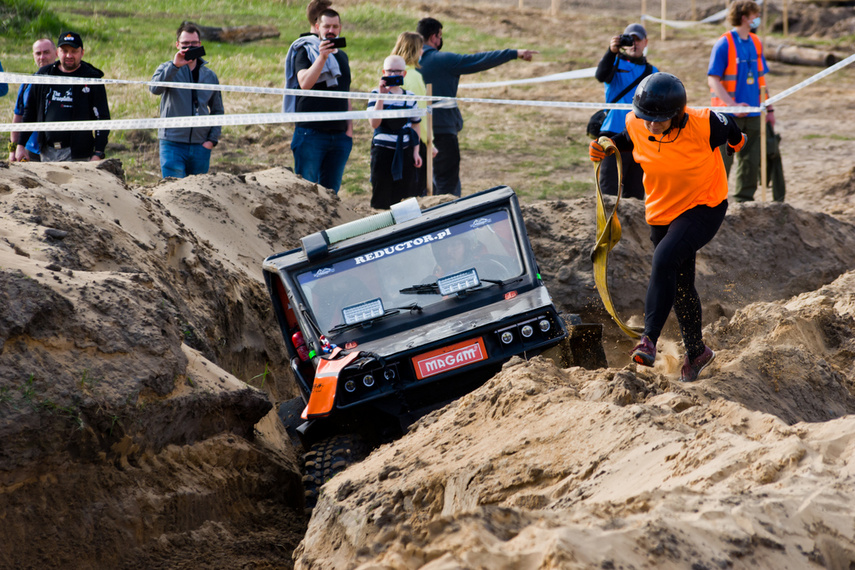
<point x="393" y="315"/>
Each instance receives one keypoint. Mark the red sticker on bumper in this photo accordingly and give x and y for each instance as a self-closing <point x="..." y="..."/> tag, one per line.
<point x="450" y="357"/>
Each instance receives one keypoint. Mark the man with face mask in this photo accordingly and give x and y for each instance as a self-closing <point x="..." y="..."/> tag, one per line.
<point x="736" y="77"/>
<point x="443" y="71"/>
<point x="621" y="70"/>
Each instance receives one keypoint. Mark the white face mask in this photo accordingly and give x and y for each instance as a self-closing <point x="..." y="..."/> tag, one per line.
<point x="644" y="51"/>
<point x="755" y="23"/>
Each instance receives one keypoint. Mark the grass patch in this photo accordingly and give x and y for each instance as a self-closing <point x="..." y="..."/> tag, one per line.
<point x="520" y="146"/>
<point x="28" y="18"/>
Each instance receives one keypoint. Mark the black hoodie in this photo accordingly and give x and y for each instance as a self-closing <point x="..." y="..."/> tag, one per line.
<point x="79" y="102"/>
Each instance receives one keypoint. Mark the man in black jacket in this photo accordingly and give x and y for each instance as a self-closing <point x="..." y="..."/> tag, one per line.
<point x="67" y="102"/>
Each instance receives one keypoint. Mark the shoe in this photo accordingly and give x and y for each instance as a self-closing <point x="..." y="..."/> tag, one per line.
<point x="644" y="352"/>
<point x="691" y="370"/>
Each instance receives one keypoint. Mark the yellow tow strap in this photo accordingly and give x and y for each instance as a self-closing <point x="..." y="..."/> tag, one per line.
<point x="608" y="235"/>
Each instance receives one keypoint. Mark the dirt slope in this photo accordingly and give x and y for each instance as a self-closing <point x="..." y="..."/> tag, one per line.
<point x="139" y="366"/>
<point x="140" y="362"/>
<point x="566" y="468"/>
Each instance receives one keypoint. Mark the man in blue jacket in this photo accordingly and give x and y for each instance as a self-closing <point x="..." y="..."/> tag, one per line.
<point x="443" y="71"/>
<point x="44" y="53"/>
<point x="187" y="150"/>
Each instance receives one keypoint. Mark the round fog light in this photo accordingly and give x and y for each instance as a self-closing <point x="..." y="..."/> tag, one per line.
<point x="389" y="374"/>
<point x="350" y="386"/>
<point x="544" y="325"/>
<point x="527" y="331"/>
<point x="507" y="337"/>
<point x="368" y="380"/>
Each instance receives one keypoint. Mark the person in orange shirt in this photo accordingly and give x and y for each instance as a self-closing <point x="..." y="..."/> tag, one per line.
<point x="685" y="203"/>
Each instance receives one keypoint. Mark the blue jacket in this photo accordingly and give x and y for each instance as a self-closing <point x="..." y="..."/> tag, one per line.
<point x="4" y="87"/>
<point x="617" y="73"/>
<point x="443" y="70"/>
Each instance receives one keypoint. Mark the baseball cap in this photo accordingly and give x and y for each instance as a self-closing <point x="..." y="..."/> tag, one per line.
<point x="70" y="39"/>
<point x="636" y="30"/>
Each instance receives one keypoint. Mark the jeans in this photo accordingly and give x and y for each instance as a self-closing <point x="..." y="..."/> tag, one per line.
<point x="183" y="159"/>
<point x="320" y="156"/>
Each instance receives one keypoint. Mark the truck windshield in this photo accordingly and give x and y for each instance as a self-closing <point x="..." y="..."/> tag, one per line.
<point x="486" y="243"/>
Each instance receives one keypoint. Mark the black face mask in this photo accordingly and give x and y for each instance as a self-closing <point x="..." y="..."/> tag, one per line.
<point x="439" y="47"/>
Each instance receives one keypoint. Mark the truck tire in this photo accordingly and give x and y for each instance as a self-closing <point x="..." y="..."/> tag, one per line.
<point x="325" y="459"/>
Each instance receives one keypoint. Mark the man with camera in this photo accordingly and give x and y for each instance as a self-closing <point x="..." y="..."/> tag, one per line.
<point x="187" y="150"/>
<point x="395" y="158"/>
<point x="78" y="101"/>
<point x="443" y="69"/>
<point x="621" y="70"/>
<point x="321" y="148"/>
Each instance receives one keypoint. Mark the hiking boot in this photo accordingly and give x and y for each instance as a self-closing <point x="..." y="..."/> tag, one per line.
<point x="691" y="370"/>
<point x="644" y="352"/>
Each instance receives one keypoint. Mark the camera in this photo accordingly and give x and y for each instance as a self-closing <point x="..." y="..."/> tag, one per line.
<point x="393" y="80"/>
<point x="194" y="53"/>
<point x="338" y="42"/>
<point x="626" y="40"/>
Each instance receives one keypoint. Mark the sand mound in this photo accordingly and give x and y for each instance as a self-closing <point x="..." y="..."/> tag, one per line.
<point x="565" y="468"/>
<point x="135" y="321"/>
<point x="140" y="362"/>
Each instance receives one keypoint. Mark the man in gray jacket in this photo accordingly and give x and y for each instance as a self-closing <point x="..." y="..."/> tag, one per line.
<point x="187" y="150"/>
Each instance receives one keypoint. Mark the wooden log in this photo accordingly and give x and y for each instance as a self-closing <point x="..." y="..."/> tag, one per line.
<point x="238" y="34"/>
<point x="797" y="55"/>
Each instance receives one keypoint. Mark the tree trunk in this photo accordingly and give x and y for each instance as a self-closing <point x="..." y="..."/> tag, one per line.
<point x="238" y="34"/>
<point x="800" y="55"/>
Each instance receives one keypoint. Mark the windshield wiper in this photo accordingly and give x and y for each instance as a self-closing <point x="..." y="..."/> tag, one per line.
<point x="368" y="322"/>
<point x="421" y="289"/>
<point x="433" y="288"/>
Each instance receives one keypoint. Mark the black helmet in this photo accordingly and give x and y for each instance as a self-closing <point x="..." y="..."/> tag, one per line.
<point x="659" y="97"/>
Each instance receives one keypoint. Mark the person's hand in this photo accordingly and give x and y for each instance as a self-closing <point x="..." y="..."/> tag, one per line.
<point x="382" y="86"/>
<point x="739" y="146"/>
<point x="417" y="160"/>
<point x="597" y="152"/>
<point x="770" y="118"/>
<point x="178" y="60"/>
<point x="208" y="144"/>
<point x="326" y="48"/>
<point x="526" y="54"/>
<point x="12" y="157"/>
<point x="434" y="151"/>
<point x="20" y="154"/>
<point x="614" y="44"/>
<point x="740" y="105"/>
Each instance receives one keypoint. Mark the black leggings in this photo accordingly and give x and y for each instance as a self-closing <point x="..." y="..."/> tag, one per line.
<point x="672" y="280"/>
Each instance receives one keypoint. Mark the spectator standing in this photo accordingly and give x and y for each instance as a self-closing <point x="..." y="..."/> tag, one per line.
<point x="67" y="102"/>
<point x="313" y="13"/>
<point x="44" y="53"/>
<point x="443" y="71"/>
<point x="685" y="205"/>
<point x="409" y="46"/>
<point x="4" y="87"/>
<point x="187" y="150"/>
<point x="621" y="70"/>
<point x="395" y="156"/>
<point x="736" y="77"/>
<point x="321" y="148"/>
